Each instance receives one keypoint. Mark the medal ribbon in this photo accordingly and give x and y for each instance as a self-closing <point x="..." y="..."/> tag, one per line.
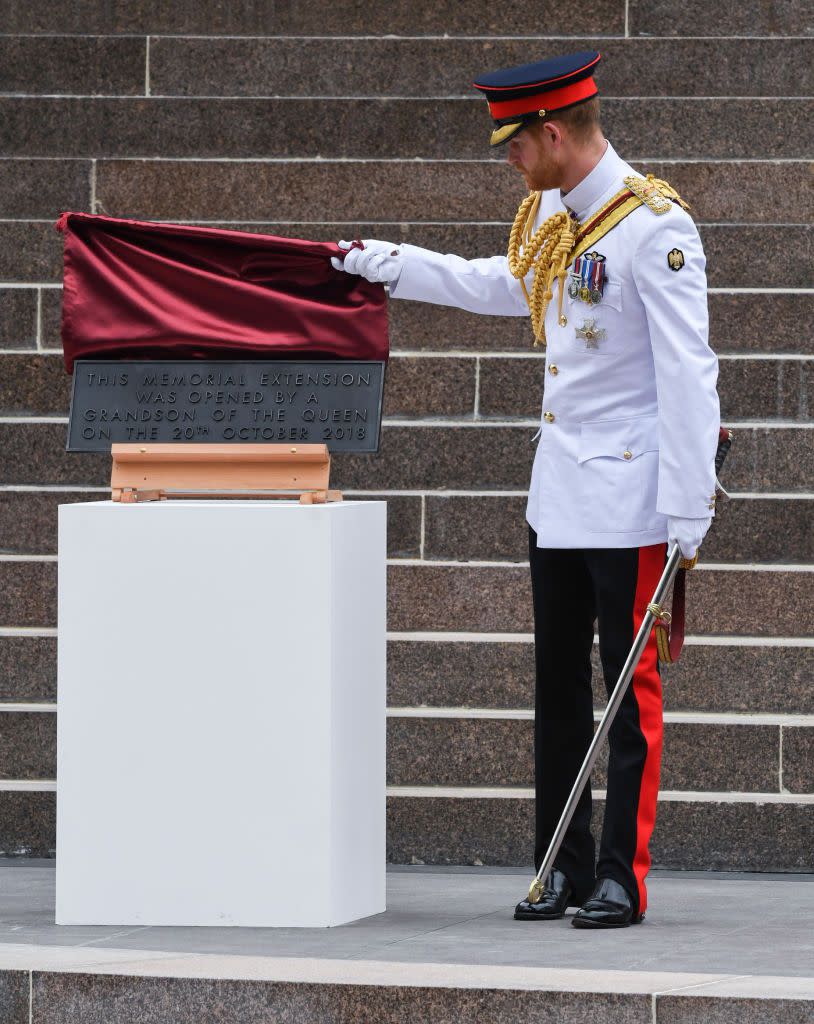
<point x="587" y="267"/>
<point x="599" y="276"/>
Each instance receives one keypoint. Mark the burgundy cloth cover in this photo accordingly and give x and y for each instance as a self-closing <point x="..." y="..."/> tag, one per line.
<point x="173" y="291"/>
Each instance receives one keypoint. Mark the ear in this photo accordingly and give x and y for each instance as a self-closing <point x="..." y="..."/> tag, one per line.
<point x="552" y="134"/>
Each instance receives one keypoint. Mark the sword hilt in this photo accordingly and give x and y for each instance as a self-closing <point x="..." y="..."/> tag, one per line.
<point x="536" y="890"/>
<point x="725" y="436"/>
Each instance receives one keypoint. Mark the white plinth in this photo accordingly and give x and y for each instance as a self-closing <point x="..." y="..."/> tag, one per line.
<point x="221" y="717"/>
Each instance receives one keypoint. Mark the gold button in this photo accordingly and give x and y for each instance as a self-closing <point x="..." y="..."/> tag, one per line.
<point x="553" y="369"/>
<point x="548" y="417"/>
<point x="628" y="455"/>
<point x="711" y="508"/>
<point x="563" y="320"/>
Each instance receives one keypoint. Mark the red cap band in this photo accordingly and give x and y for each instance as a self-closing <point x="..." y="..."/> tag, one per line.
<point x="554" y="99"/>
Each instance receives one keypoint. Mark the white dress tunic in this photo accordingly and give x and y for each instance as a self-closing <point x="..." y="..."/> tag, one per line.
<point x="629" y="423"/>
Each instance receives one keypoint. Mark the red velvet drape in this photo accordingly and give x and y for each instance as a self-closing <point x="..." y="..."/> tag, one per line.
<point x="173" y="291"/>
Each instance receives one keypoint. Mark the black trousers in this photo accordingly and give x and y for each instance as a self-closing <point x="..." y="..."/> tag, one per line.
<point x="571" y="589"/>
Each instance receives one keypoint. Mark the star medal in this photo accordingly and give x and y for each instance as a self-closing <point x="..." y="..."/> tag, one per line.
<point x="590" y="333"/>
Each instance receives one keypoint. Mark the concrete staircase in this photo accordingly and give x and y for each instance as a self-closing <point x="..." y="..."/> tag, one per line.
<point x="345" y="119"/>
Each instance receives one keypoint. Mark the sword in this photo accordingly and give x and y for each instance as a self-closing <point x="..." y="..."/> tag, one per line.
<point x="654" y="614"/>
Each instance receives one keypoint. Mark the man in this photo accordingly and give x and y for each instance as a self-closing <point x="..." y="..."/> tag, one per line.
<point x="612" y="270"/>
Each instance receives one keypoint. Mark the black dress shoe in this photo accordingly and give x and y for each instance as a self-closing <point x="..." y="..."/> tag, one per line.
<point x="557" y="895"/>
<point x="609" y="906"/>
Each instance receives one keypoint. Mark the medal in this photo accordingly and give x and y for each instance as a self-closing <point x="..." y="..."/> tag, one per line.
<point x="597" y="277"/>
<point x="588" y="278"/>
<point x="590" y="333"/>
<point x="584" y="276"/>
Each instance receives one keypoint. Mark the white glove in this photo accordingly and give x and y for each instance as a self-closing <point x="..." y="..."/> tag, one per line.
<point x="378" y="261"/>
<point x="687" y="533"/>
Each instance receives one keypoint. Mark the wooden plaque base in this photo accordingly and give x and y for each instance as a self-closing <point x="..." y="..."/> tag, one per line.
<point x="151" y="472"/>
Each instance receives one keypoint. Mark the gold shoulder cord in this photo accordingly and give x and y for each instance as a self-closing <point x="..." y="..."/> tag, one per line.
<point x="558" y="240"/>
<point x="547" y="251"/>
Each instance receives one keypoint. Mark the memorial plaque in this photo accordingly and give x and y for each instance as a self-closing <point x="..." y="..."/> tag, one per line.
<point x="336" y="403"/>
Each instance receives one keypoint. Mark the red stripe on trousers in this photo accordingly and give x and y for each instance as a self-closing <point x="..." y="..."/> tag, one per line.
<point x="647" y="690"/>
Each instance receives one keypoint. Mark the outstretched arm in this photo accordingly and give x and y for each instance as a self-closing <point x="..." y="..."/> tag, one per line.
<point x="479" y="285"/>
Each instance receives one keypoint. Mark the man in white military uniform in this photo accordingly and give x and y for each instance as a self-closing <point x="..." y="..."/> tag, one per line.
<point x="612" y="270"/>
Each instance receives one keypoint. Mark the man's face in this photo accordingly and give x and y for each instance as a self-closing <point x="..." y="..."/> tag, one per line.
<point x="533" y="153"/>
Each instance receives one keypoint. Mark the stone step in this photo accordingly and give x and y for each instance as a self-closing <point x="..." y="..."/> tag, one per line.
<point x="43" y="188"/>
<point x="693" y="831"/>
<point x="19" y="317"/>
<point x="28" y="744"/>
<point x="446" y="66"/>
<point x="79" y="65"/>
<point x="450" y="457"/>
<point x="713" y="675"/>
<point x="742" y="323"/>
<point x="700" y="756"/>
<point x="464" y="457"/>
<point x="28" y="827"/>
<point x="423" y="17"/>
<point x="464" y="528"/>
<point x="695" y="17"/>
<point x="429" y="66"/>
<point x="367" y="189"/>
<point x="482" y="528"/>
<point x="401" y="190"/>
<point x="28" y="520"/>
<point x="425" y="751"/>
<point x="467" y="528"/>
<point x="497" y="599"/>
<point x="28" y="669"/>
<point x="191" y="988"/>
<point x="748" y="388"/>
<point x="650" y="129"/>
<point x="342" y="17"/>
<point x="709" y="833"/>
<point x="31" y="251"/>
<point x="28" y="593"/>
<point x="433" y="387"/>
<point x="484" y="598"/>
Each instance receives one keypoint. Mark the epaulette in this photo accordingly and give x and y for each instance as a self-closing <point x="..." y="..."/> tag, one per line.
<point x="654" y="193"/>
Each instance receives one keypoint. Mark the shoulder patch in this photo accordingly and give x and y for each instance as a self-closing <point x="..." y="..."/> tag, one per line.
<point x="675" y="259"/>
<point x="648" y="193"/>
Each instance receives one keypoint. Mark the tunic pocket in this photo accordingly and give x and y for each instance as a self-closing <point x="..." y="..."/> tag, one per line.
<point x="612" y="296"/>
<point x="618" y="474"/>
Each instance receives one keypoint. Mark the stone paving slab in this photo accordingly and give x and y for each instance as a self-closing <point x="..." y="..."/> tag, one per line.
<point x="698" y="923"/>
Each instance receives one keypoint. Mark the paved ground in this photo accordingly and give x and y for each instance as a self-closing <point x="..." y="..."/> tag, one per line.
<point x="697" y="923"/>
